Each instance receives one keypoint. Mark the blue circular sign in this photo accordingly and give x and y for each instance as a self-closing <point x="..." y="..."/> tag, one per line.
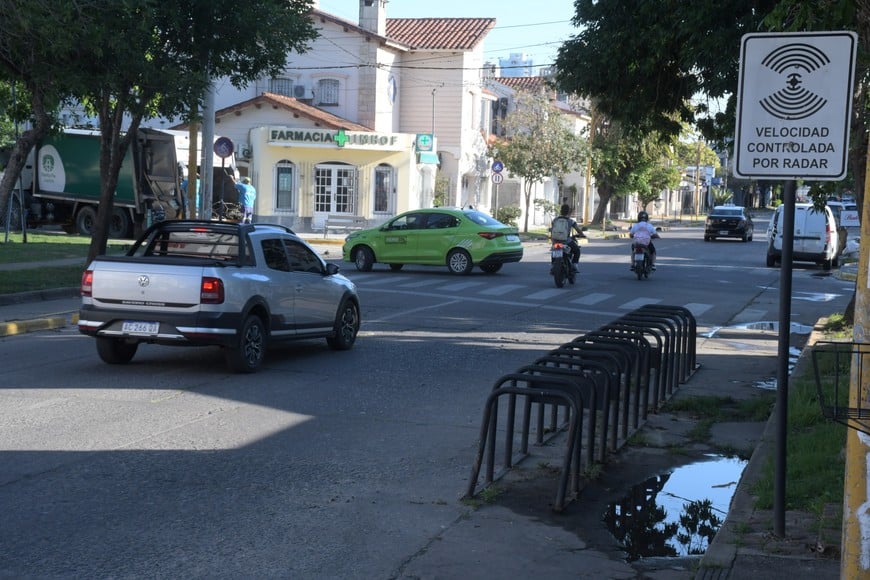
<point x="223" y="147"/>
<point x="497" y="166"/>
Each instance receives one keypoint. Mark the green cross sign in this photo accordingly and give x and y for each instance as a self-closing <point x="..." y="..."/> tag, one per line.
<point x="341" y="138"/>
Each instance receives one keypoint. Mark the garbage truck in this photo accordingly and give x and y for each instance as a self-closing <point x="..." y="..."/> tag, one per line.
<point x="61" y="182"/>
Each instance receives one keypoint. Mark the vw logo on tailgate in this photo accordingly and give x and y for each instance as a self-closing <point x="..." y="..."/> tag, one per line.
<point x="144" y="280"/>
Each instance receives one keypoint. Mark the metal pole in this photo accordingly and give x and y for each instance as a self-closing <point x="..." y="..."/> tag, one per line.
<point x="785" y="278"/>
<point x="855" y="540"/>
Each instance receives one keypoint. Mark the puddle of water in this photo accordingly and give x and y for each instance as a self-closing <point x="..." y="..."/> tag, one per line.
<point x="770" y="384"/>
<point x="676" y="513"/>
<point x="796" y="328"/>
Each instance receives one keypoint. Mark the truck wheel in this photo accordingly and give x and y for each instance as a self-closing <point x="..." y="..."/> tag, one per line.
<point x="86" y="220"/>
<point x="116" y="351"/>
<point x="248" y="354"/>
<point x="346" y="327"/>
<point x="119" y="227"/>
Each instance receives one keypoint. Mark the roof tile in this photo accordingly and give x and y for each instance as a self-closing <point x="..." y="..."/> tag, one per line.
<point x="439" y="33"/>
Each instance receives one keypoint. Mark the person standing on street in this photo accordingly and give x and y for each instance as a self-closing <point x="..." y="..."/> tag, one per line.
<point x="247" y="196"/>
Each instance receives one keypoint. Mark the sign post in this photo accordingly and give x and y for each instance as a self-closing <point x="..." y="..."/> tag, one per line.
<point x="223" y="148"/>
<point x="794" y="101"/>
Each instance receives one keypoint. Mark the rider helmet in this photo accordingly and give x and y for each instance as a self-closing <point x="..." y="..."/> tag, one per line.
<point x="643" y="217"/>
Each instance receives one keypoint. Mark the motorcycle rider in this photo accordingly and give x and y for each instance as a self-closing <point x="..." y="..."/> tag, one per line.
<point x="643" y="233"/>
<point x="560" y="231"/>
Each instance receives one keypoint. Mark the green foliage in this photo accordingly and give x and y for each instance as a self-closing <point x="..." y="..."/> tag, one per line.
<point x="547" y="207"/>
<point x="508" y="215"/>
<point x="721" y="196"/>
<point x="645" y="63"/>
<point x="539" y="144"/>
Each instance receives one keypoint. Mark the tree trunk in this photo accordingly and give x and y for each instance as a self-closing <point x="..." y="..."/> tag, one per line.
<point x="25" y="142"/>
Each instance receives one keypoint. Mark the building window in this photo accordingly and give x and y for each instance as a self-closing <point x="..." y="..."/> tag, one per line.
<point x="285" y="190"/>
<point x="385" y="189"/>
<point x="281" y="86"/>
<point x="328" y="91"/>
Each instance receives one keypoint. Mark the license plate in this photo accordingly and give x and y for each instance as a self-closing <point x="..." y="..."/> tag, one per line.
<point x="723" y="232"/>
<point x="638" y="257"/>
<point x="557" y="254"/>
<point x="512" y="238"/>
<point x="139" y="327"/>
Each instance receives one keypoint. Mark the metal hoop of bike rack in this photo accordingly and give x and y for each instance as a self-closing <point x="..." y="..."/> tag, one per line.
<point x="836" y="365"/>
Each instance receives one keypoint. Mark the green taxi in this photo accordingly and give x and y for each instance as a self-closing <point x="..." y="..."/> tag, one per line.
<point x="458" y="238"/>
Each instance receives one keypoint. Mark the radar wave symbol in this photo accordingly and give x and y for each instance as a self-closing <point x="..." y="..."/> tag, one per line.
<point x="794" y="102"/>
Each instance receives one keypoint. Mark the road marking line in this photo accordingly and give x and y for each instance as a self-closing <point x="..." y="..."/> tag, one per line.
<point x="501" y="290"/>
<point x="593" y="298"/>
<point x="460" y="286"/>
<point x="638" y="302"/>
<point x="545" y="294"/>
<point x="698" y="309"/>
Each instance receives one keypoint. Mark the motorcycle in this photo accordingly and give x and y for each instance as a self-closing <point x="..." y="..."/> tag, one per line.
<point x="641" y="261"/>
<point x="561" y="267"/>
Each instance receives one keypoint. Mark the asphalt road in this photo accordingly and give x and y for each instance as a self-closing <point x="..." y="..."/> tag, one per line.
<point x="325" y="464"/>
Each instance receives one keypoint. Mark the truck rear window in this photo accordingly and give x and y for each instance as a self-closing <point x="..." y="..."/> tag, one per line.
<point x="192" y="244"/>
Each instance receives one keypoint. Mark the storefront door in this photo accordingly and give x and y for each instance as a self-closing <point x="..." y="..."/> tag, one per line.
<point x="335" y="191"/>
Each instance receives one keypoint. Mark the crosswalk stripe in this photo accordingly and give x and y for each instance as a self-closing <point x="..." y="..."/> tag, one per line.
<point x="421" y="283"/>
<point x="698" y="309"/>
<point x="638" y="302"/>
<point x="544" y="294"/>
<point x="593" y="298"/>
<point x="459" y="286"/>
<point x="501" y="289"/>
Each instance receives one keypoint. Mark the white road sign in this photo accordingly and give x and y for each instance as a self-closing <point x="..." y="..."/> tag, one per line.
<point x="793" y="105"/>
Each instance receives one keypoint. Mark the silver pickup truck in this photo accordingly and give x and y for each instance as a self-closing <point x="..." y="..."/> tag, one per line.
<point x="198" y="283"/>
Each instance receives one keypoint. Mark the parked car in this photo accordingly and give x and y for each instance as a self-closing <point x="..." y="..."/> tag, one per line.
<point x="729" y="221"/>
<point x="459" y="238"/>
<point x="816" y="238"/>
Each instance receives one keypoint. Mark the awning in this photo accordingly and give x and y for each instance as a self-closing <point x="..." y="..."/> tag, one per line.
<point x="428" y="158"/>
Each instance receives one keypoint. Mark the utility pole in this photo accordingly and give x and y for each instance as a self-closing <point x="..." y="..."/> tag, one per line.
<point x="855" y="550"/>
<point x="698" y="181"/>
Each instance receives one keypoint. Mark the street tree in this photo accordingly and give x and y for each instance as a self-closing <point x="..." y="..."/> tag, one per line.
<point x="139" y="59"/>
<point x="539" y="144"/>
<point x="39" y="46"/>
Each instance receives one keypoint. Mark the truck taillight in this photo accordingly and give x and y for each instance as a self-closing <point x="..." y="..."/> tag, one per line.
<point x="87" y="282"/>
<point x="211" y="291"/>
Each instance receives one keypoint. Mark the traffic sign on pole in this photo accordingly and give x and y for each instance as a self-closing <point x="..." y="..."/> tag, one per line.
<point x="497" y="178"/>
<point x="794" y="102"/>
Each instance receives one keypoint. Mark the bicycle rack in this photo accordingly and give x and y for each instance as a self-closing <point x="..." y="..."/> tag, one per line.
<point x="543" y="390"/>
<point x="837" y="363"/>
<point x="618" y="370"/>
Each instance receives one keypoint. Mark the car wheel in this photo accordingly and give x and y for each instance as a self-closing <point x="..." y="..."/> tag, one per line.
<point x="459" y="262"/>
<point x="363" y="258"/>
<point x="396" y="267"/>
<point x="706" y="238"/>
<point x="744" y="238"/>
<point x="771" y="261"/>
<point x="826" y="265"/>
<point x="248" y="354"/>
<point x="491" y="268"/>
<point x="115" y="351"/>
<point x="347" y="321"/>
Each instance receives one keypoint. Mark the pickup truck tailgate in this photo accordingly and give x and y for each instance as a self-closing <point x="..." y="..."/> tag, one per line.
<point x="146" y="286"/>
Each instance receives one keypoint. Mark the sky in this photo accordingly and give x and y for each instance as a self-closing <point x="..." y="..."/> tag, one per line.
<point x="519" y="27"/>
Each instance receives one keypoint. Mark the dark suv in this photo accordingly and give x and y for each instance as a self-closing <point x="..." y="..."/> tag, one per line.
<point x="729" y="221"/>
